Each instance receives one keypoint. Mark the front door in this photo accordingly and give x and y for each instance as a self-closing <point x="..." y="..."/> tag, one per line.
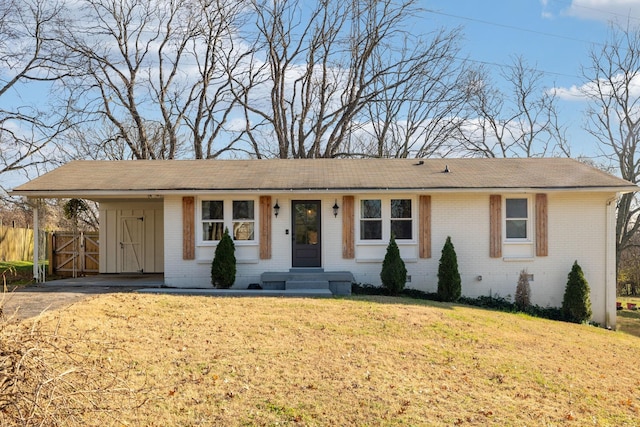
<point x="306" y="233"/>
<point x="131" y="244"/>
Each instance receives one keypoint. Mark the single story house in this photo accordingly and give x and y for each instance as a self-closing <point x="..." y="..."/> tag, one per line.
<point x="336" y="216"/>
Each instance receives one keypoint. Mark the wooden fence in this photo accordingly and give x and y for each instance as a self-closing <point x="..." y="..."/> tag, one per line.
<point x="73" y="254"/>
<point x="16" y="244"/>
<point x="68" y="254"/>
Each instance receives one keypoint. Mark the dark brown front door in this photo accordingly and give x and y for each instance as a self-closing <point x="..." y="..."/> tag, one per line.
<point x="306" y="233"/>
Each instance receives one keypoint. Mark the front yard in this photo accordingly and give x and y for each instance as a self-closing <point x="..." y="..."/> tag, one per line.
<point x="168" y="360"/>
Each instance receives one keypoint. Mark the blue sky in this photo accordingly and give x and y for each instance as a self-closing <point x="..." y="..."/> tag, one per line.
<point x="553" y="36"/>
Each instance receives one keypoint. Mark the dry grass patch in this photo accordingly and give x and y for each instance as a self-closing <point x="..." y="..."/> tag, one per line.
<point x="358" y="361"/>
<point x="48" y="378"/>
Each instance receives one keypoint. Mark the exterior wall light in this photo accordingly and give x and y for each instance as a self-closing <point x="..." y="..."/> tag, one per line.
<point x="335" y="209"/>
<point x="276" y="209"/>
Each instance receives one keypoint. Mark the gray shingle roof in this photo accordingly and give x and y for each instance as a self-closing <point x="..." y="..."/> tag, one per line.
<point x="180" y="176"/>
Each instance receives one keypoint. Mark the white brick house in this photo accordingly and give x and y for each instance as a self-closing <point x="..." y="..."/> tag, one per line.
<point x="503" y="215"/>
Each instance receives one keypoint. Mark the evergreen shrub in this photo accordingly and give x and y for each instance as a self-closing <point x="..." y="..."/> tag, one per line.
<point x="576" y="304"/>
<point x="394" y="272"/>
<point x="223" y="267"/>
<point x="449" y="283"/>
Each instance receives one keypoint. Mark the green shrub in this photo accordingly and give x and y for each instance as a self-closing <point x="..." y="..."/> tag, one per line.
<point x="223" y="267"/>
<point x="576" y="305"/>
<point x="449" y="283"/>
<point x="367" y="289"/>
<point x="493" y="302"/>
<point x="523" y="292"/>
<point x="394" y="272"/>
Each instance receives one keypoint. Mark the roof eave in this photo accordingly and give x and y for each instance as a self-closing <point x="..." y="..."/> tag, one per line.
<point x="154" y="193"/>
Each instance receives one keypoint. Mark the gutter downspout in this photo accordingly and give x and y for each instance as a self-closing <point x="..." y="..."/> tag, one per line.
<point x="610" y="264"/>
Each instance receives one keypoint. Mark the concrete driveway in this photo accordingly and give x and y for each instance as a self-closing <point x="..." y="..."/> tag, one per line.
<point x="30" y="301"/>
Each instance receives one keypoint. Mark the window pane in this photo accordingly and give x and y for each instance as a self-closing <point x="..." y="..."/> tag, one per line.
<point x="516" y="208"/>
<point x="212" y="230"/>
<point x="212" y="209"/>
<point x="306" y="223"/>
<point x="401" y="229"/>
<point x="401" y="208"/>
<point x="516" y="229"/>
<point x="243" y="231"/>
<point x="243" y="209"/>
<point x="370" y="230"/>
<point x="371" y="209"/>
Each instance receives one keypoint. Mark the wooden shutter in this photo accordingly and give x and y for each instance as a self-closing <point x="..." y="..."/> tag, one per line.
<point x="495" y="226"/>
<point x="424" y="227"/>
<point x="265" y="227"/>
<point x="542" y="244"/>
<point x="348" y="228"/>
<point x="188" y="228"/>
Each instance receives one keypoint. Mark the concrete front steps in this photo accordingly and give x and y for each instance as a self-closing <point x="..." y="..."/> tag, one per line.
<point x="297" y="282"/>
<point x="314" y="281"/>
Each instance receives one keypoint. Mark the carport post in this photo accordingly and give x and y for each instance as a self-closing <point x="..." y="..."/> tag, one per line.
<point x="36" y="242"/>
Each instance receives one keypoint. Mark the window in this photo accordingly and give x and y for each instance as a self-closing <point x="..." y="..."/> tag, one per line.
<point x="212" y="220"/>
<point x="239" y="215"/>
<point x="371" y="219"/>
<point x="379" y="219"/>
<point x="243" y="220"/>
<point x="517" y="215"/>
<point x="401" y="221"/>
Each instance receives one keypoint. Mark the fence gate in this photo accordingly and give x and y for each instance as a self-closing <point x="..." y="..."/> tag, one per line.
<point x="74" y="254"/>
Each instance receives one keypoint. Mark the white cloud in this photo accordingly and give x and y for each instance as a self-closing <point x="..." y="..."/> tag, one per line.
<point x="605" y="10"/>
<point x="573" y="93"/>
<point x="547" y="13"/>
<point x="583" y="92"/>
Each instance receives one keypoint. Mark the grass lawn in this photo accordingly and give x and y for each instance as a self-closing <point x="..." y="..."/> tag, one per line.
<point x="629" y="320"/>
<point x="16" y="272"/>
<point x="352" y="361"/>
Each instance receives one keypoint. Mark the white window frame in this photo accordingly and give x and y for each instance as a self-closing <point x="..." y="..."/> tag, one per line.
<point x="251" y="221"/>
<point x="410" y="219"/>
<point x="380" y="220"/>
<point x="202" y="221"/>
<point x="528" y="219"/>
<point x="228" y="221"/>
<point x="386" y="220"/>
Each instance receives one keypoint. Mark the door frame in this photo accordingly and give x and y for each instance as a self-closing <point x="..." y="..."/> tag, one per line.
<point x="139" y="221"/>
<point x="318" y="246"/>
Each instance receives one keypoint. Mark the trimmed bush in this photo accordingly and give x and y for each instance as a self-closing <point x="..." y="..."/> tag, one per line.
<point x="576" y="305"/>
<point x="394" y="272"/>
<point x="223" y="267"/>
<point x="449" y="283"/>
<point x="523" y="292"/>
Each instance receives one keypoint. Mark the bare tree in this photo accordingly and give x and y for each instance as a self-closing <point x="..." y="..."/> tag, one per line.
<point x="220" y="55"/>
<point x="613" y="118"/>
<point x="420" y="117"/>
<point x="629" y="268"/>
<point x="158" y="72"/>
<point x="29" y="59"/>
<point x="329" y="67"/>
<point x="519" y="121"/>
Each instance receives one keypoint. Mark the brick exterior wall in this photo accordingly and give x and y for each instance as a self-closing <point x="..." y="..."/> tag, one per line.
<point x="578" y="229"/>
